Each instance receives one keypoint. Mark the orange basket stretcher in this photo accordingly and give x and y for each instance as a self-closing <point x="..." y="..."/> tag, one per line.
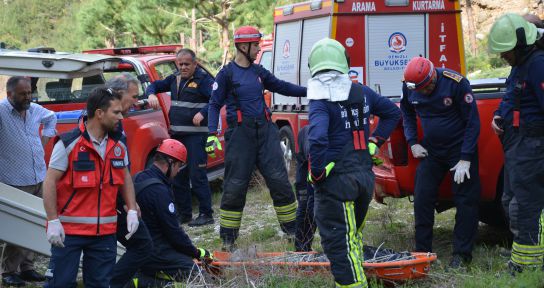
<point x="416" y="267"/>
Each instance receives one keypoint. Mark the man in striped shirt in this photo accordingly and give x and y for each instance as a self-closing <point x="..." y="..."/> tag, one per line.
<point x="22" y="163"/>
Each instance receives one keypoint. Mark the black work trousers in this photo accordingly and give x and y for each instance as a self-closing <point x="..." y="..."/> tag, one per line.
<point x="254" y="143"/>
<point x="524" y="181"/>
<point x="138" y="249"/>
<point x="430" y="173"/>
<point x="341" y="205"/>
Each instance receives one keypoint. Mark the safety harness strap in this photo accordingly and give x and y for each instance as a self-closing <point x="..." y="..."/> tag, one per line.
<point x="231" y="88"/>
<point x="521" y="84"/>
<point x="356" y="100"/>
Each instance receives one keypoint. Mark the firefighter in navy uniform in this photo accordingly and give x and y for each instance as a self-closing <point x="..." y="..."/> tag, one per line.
<point x="190" y="89"/>
<point x="443" y="101"/>
<point x="253" y="139"/>
<point x="173" y="252"/>
<point x="306" y="227"/>
<point x="520" y="123"/>
<point x="341" y="156"/>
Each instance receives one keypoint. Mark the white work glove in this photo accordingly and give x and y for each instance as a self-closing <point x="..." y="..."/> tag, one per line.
<point x="55" y="233"/>
<point x="132" y="223"/>
<point x="418" y="151"/>
<point x="461" y="168"/>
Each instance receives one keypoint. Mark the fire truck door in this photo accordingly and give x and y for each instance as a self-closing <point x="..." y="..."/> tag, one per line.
<point x="392" y="40"/>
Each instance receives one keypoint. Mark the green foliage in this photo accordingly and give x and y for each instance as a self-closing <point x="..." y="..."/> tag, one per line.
<point x="485" y="65"/>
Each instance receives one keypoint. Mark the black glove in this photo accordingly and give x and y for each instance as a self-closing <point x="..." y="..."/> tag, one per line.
<point x="204" y="255"/>
<point x="206" y="260"/>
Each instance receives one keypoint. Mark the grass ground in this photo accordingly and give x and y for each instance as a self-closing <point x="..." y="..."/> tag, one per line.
<point x="390" y="225"/>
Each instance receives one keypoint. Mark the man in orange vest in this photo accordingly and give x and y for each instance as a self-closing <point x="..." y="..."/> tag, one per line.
<point x="88" y="166"/>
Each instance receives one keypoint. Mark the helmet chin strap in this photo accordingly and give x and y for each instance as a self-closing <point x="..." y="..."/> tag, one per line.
<point x="247" y="55"/>
<point x="169" y="171"/>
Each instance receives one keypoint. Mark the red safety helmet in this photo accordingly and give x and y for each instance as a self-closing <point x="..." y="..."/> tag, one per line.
<point x="174" y="149"/>
<point x="247" y="34"/>
<point x="419" y="73"/>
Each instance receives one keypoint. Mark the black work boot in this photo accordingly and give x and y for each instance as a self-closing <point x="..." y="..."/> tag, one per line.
<point x="459" y="261"/>
<point x="228" y="245"/>
<point x="201" y="220"/>
<point x="514" y="268"/>
<point x="12" y="280"/>
<point x="32" y="276"/>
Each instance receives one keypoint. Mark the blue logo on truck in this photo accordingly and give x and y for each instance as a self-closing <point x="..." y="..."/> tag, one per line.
<point x="397" y="42"/>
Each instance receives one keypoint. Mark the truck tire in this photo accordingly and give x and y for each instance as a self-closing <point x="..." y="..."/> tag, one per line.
<point x="492" y="213"/>
<point x="287" y="142"/>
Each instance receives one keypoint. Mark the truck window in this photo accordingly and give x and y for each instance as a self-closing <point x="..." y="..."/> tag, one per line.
<point x="50" y="90"/>
<point x="165" y="68"/>
<point x="266" y="60"/>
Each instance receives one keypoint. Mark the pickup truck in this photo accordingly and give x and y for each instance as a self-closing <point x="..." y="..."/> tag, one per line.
<point x="62" y="82"/>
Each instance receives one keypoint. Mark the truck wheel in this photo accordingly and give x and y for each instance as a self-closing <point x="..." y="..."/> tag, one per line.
<point x="287" y="143"/>
<point x="492" y="213"/>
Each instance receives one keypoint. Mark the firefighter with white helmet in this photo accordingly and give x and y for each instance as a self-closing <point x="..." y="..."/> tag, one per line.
<point x="519" y="121"/>
<point x="341" y="148"/>
<point x="252" y="138"/>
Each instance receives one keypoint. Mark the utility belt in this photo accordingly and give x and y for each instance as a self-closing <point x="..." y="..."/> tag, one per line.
<point x="533" y="129"/>
<point x="249" y="121"/>
<point x="537" y="131"/>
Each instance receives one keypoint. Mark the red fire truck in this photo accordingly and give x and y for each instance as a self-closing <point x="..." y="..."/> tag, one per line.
<point x="381" y="37"/>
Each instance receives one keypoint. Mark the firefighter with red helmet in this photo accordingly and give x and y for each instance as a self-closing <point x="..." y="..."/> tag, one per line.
<point x="252" y="138"/>
<point x="443" y="101"/>
<point x="173" y="252"/>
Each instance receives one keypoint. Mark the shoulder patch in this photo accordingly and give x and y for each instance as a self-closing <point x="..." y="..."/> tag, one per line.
<point x="453" y="76"/>
<point x="468" y="98"/>
<point x="171" y="208"/>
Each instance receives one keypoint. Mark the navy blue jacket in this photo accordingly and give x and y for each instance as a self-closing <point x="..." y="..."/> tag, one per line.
<point x="159" y="214"/>
<point x="532" y="96"/>
<point x="194" y="93"/>
<point x="449" y="117"/>
<point x="330" y="130"/>
<point x="250" y="92"/>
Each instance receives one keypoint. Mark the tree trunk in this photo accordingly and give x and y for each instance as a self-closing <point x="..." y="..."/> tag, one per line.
<point x="225" y="43"/>
<point x="471" y="28"/>
<point x="109" y="42"/>
<point x="193" y="30"/>
<point x="224" y="26"/>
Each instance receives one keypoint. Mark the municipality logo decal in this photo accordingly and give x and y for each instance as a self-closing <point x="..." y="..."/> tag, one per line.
<point x="397" y="42"/>
<point x="286" y="49"/>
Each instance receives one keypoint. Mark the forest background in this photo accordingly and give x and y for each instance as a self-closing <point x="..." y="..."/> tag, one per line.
<point x="204" y="26"/>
